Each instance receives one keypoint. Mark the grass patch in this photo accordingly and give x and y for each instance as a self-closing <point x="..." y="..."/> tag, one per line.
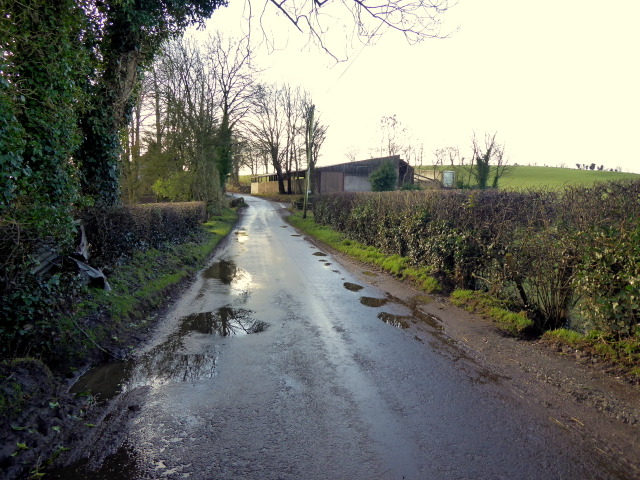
<point x="566" y="336"/>
<point x="493" y="308"/>
<point x="394" y="264"/>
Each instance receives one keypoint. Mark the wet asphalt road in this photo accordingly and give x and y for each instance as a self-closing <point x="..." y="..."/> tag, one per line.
<point x="277" y="365"/>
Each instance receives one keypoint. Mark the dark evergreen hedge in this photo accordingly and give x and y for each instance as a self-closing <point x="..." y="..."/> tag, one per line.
<point x="567" y="258"/>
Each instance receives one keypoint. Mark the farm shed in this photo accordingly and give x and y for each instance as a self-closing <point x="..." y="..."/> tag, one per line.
<point x="343" y="177"/>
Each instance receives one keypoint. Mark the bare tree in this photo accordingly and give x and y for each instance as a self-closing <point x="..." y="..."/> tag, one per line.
<point x="316" y="134"/>
<point x="267" y="127"/>
<point x="185" y="104"/>
<point x="131" y="169"/>
<point x="277" y="126"/>
<point x="232" y="65"/>
<point x="415" y="19"/>
<point x="352" y="153"/>
<point x="291" y="101"/>
<point x="392" y="136"/>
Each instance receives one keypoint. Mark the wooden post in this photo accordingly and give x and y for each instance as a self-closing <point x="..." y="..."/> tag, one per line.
<point x="309" y="142"/>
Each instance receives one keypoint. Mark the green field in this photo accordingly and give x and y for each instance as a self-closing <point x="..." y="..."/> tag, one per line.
<point x="523" y="177"/>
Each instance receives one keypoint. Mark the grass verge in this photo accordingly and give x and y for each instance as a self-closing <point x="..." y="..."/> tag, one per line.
<point x="394" y="264"/>
<point x="492" y="308"/>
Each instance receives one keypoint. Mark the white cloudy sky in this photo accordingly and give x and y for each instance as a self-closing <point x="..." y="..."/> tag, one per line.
<point x="559" y="81"/>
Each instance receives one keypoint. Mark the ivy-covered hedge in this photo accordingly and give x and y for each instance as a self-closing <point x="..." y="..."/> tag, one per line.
<point x="32" y="299"/>
<point x="567" y="258"/>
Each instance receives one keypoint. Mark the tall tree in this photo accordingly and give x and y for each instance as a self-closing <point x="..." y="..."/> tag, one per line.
<point x="488" y="158"/>
<point x="268" y="127"/>
<point x="290" y="101"/>
<point x="191" y="136"/>
<point x="232" y="66"/>
<point x="127" y="36"/>
<point x="316" y="135"/>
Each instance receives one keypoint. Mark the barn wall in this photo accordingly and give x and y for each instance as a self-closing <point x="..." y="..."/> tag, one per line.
<point x="261" y="188"/>
<point x="331" y="182"/>
<point x="356" y="183"/>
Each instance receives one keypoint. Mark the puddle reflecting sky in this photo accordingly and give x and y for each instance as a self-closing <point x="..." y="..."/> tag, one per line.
<point x="241" y="236"/>
<point x="187" y="355"/>
<point x="398" y="321"/>
<point x="229" y="274"/>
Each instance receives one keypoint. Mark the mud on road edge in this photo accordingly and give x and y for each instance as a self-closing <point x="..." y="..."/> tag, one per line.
<point x="53" y="425"/>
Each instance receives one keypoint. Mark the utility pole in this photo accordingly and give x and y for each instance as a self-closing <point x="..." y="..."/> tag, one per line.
<point x="309" y="144"/>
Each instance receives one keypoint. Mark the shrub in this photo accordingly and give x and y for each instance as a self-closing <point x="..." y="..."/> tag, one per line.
<point x="608" y="279"/>
<point x="384" y="178"/>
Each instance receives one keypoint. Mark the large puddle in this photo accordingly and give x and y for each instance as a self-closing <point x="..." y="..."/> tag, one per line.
<point x="228" y="273"/>
<point x="399" y="321"/>
<point x="187" y="355"/>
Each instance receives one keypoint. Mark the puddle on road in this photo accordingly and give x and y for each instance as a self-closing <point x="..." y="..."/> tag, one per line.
<point x="320" y="254"/>
<point x="353" y="287"/>
<point x="241" y="235"/>
<point x="295" y="235"/>
<point x="224" y="322"/>
<point x="402" y="321"/>
<point x="398" y="321"/>
<point x="224" y="270"/>
<point x="229" y="274"/>
<point x="373" y="302"/>
<point x="172" y="361"/>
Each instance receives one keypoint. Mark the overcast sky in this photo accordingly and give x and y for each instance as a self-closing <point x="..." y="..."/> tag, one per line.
<point x="558" y="81"/>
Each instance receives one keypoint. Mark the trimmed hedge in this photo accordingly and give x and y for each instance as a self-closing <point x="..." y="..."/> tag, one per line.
<point x="116" y="233"/>
<point x="567" y="258"/>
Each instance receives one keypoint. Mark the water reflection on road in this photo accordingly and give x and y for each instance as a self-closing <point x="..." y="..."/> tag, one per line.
<point x="275" y="366"/>
<point x="187" y="354"/>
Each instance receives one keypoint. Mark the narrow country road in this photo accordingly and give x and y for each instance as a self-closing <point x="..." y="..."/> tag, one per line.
<point x="278" y="364"/>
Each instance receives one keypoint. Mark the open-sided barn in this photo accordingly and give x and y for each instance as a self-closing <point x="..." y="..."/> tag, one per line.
<point x="344" y="177"/>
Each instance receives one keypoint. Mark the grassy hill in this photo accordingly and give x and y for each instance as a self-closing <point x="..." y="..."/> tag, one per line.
<point x="523" y="177"/>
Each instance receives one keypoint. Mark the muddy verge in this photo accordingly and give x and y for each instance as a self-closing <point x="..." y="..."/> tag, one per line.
<point x="47" y="422"/>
